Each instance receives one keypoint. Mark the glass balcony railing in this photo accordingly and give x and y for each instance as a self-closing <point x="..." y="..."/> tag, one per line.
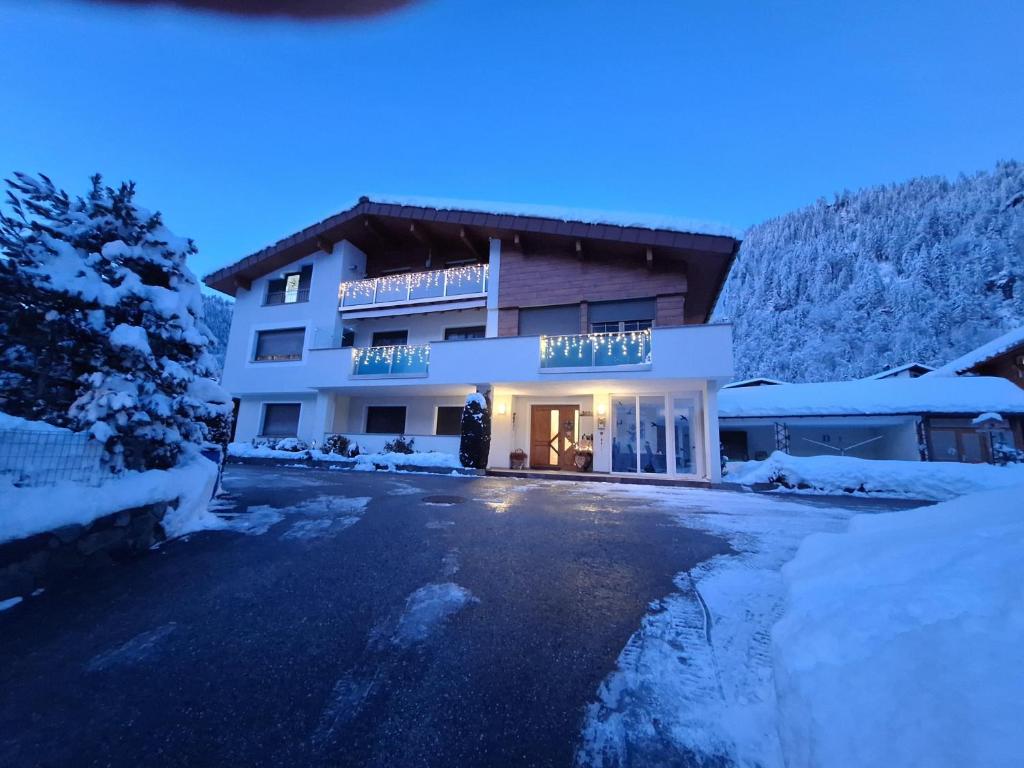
<point x="405" y="360"/>
<point x="438" y="284"/>
<point x="595" y="350"/>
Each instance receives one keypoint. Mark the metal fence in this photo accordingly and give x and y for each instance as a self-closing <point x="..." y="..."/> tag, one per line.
<point x="34" y="457"/>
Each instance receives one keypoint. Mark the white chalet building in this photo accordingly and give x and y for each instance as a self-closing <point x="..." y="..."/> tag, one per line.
<point x="590" y="339"/>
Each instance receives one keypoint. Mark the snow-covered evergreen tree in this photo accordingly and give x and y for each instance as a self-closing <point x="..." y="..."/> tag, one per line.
<point x="217" y="316"/>
<point x="921" y="271"/>
<point x="119" y="323"/>
<point x="475" y="444"/>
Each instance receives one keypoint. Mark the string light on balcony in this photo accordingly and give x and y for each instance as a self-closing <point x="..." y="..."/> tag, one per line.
<point x="406" y="284"/>
<point x="399" y="356"/>
<point x="631" y="345"/>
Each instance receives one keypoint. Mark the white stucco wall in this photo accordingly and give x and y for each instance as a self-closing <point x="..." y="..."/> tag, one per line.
<point x="420" y="412"/>
<point x="422" y="328"/>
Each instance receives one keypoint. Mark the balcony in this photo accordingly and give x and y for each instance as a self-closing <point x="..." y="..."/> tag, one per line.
<point x="416" y="287"/>
<point x="629" y="350"/>
<point x="294" y="296"/>
<point x="405" y="361"/>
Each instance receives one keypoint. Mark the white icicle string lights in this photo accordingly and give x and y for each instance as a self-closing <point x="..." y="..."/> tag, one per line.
<point x="402" y="286"/>
<point x="634" y="346"/>
<point x="404" y="356"/>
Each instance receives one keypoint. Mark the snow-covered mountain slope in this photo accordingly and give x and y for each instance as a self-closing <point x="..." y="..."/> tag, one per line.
<point x="924" y="270"/>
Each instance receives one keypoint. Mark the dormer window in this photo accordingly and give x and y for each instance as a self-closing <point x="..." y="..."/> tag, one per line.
<point x="292" y="288"/>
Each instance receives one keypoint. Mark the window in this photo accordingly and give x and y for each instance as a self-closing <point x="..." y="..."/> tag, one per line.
<point x="281" y="419"/>
<point x="390" y="338"/>
<point x="621" y="316"/>
<point x="620" y="326"/>
<point x="348" y="337"/>
<point x="293" y="288"/>
<point x="385" y="419"/>
<point x="449" y="420"/>
<point x="549" y="321"/>
<point x="468" y="332"/>
<point x="283" y="344"/>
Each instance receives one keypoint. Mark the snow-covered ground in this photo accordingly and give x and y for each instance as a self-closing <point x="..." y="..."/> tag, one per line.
<point x="895" y="643"/>
<point x="901" y="640"/>
<point x="932" y="480"/>
<point x="696" y="678"/>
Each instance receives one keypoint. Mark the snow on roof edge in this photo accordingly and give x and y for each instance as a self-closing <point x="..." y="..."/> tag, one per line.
<point x="748" y="382"/>
<point x="898" y="369"/>
<point x="565" y="213"/>
<point x="981" y="354"/>
<point x="949" y="395"/>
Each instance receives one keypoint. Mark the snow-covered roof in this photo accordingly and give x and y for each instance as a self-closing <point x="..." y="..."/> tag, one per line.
<point x="982" y="354"/>
<point x="565" y="213"/>
<point x="890" y="372"/>
<point x="924" y="395"/>
<point x="759" y="381"/>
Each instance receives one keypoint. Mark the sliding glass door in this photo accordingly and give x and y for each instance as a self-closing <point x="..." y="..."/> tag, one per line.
<point x="656" y="434"/>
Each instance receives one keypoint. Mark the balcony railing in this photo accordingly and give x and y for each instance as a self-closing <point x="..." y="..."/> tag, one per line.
<point x="469" y="280"/>
<point x="596" y="350"/>
<point x="297" y="296"/>
<point x="409" y="360"/>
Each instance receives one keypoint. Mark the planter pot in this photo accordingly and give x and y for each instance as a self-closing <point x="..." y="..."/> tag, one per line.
<point x="517" y="460"/>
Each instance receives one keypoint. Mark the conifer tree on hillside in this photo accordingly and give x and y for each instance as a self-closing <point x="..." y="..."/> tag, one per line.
<point x="105" y="333"/>
<point x="916" y="272"/>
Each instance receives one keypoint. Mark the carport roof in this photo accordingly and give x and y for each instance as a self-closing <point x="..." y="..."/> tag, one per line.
<point x="923" y="395"/>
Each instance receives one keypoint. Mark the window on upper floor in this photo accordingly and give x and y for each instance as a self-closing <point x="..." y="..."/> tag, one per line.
<point x="465" y="332"/>
<point x="279" y="344"/>
<point x="621" y="316"/>
<point x="620" y="326"/>
<point x="293" y="288"/>
<point x="281" y="419"/>
<point x="389" y="338"/>
<point x="549" y="321"/>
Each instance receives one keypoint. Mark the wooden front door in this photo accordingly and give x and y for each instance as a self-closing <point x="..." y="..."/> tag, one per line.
<point x="552" y="436"/>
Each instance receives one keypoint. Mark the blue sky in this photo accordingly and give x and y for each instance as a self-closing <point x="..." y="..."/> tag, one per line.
<point x="242" y="132"/>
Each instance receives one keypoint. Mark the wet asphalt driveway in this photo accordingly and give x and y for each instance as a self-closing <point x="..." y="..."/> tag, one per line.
<point x="408" y="632"/>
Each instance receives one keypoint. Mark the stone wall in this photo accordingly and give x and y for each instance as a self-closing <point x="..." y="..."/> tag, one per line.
<point x="35" y="561"/>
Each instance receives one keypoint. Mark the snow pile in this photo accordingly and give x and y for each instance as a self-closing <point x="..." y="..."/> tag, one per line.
<point x="250" y="451"/>
<point x="364" y="461"/>
<point x="694" y="684"/>
<point x="935" y="480"/>
<point x="900" y="643"/>
<point x="28" y="511"/>
<point x="15" y="422"/>
<point x="368" y="461"/>
<point x="873" y="397"/>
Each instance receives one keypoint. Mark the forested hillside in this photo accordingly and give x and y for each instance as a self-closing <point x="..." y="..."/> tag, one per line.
<point x="919" y="271"/>
<point x="217" y="316"/>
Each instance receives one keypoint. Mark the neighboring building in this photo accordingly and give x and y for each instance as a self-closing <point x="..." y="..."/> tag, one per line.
<point x="926" y="418"/>
<point x="379" y="321"/>
<point x="907" y="371"/>
<point x="1003" y="357"/>
<point x="758" y="382"/>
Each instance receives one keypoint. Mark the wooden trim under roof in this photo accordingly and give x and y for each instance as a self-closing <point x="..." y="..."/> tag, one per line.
<point x="352" y="224"/>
